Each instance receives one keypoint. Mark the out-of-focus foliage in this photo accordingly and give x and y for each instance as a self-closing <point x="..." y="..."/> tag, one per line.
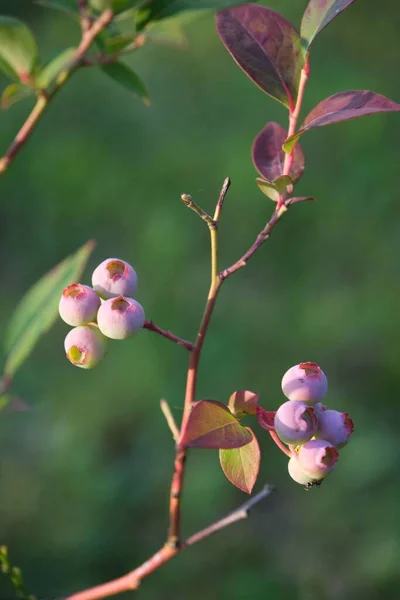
<point x="84" y="475"/>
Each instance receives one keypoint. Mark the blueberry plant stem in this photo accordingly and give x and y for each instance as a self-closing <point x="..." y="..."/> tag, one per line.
<point x="132" y="580"/>
<point x="174" y="542"/>
<point x="168" y="335"/>
<point x="45" y="97"/>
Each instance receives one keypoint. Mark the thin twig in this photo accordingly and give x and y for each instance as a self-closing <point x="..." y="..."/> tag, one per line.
<point x="169" y="417"/>
<point x="190" y="203"/>
<point x="85" y="18"/>
<point x="132" y="580"/>
<point x="44" y="97"/>
<point x="240" y="513"/>
<point x="223" y="192"/>
<point x="168" y="335"/>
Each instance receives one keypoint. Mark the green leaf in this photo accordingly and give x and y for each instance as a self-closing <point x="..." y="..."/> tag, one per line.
<point x="122" y="74"/>
<point x="318" y="14"/>
<point x="67" y="6"/>
<point x="18" y="48"/>
<point x="48" y="73"/>
<point x="14" y="93"/>
<point x="241" y="465"/>
<point x="212" y="425"/>
<point x="38" y="309"/>
<point x="155" y="10"/>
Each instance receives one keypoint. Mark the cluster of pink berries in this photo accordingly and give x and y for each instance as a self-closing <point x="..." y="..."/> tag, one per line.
<point x="312" y="432"/>
<point x="106" y="310"/>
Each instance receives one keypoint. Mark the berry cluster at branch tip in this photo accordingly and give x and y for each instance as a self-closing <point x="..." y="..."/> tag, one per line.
<point x="106" y="310"/>
<point x="313" y="433"/>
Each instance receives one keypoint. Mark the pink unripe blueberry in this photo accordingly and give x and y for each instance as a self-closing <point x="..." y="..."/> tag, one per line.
<point x="85" y="346"/>
<point x="78" y="304"/>
<point x="295" y="422"/>
<point x="120" y="318"/>
<point x="335" y="427"/>
<point x="317" y="458"/>
<point x="296" y="473"/>
<point x="305" y="383"/>
<point x="114" y="277"/>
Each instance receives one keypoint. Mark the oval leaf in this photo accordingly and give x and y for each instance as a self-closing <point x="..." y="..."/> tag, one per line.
<point x="343" y="107"/>
<point x="38" y="309"/>
<point x="268" y="156"/>
<point x="318" y="14"/>
<point x="18" y="48"/>
<point x="122" y="74"/>
<point x="266" y="47"/>
<point x="55" y="67"/>
<point x="14" y="93"/>
<point x="212" y="425"/>
<point x="241" y="465"/>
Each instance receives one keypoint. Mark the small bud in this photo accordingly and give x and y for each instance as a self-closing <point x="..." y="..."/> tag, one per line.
<point x="114" y="277"/>
<point x="85" y="346"/>
<point x="296" y="473"/>
<point x="317" y="458"/>
<point x="335" y="427"/>
<point x="78" y="304"/>
<point x="120" y="318"/>
<point x="295" y="422"/>
<point x="305" y="383"/>
<point x="243" y="402"/>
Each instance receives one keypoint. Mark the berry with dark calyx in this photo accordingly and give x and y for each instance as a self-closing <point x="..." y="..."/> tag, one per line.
<point x="317" y="458"/>
<point x="298" y="475"/>
<point x="114" y="277"/>
<point x="78" y="304"/>
<point x="295" y="422"/>
<point x="120" y="318"/>
<point x="305" y="382"/>
<point x="85" y="346"/>
<point x="335" y="427"/>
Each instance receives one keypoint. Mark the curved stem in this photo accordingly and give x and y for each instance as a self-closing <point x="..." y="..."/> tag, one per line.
<point x="151" y="326"/>
<point x="44" y="97"/>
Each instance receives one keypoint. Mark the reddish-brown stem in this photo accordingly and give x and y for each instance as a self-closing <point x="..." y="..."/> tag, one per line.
<point x="168" y="335"/>
<point x="132" y="580"/>
<point x="280" y="445"/>
<point x="44" y="97"/>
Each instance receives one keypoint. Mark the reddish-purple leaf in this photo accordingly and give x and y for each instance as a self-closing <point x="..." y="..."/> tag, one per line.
<point x="241" y="465"/>
<point x="343" y="107"/>
<point x="243" y="402"/>
<point x="318" y="14"/>
<point x="265" y="418"/>
<point x="268" y="156"/>
<point x="266" y="46"/>
<point x="212" y="425"/>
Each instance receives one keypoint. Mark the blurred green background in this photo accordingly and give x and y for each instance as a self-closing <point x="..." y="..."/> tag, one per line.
<point x="85" y="474"/>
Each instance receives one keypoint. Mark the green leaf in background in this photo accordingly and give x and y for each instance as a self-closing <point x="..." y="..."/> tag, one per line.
<point x="318" y="14"/>
<point x="54" y="68"/>
<point x="67" y="6"/>
<point x="18" y="48"/>
<point x="125" y="76"/>
<point x="241" y="465"/>
<point x="38" y="309"/>
<point x="13" y="93"/>
<point x="212" y="425"/>
<point x="155" y="10"/>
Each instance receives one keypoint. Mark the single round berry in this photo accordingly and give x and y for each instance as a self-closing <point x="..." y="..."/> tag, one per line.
<point x="85" y="346"/>
<point x="120" y="318"/>
<point x="78" y="304"/>
<point x="295" y="422"/>
<point x="317" y="458"/>
<point x="305" y="383"/>
<point x="114" y="277"/>
<point x="335" y="427"/>
<point x="296" y="473"/>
